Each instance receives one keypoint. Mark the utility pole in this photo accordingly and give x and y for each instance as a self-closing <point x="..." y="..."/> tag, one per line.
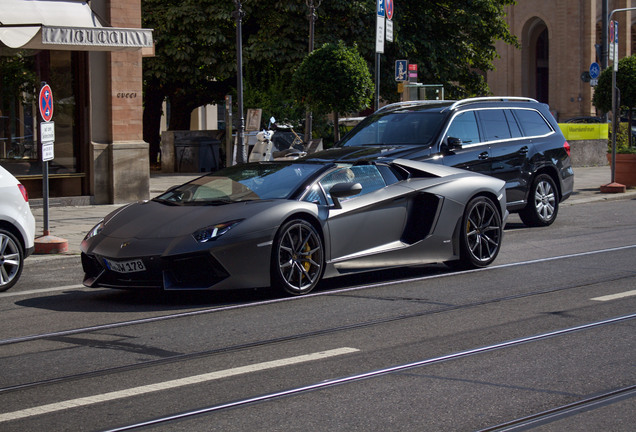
<point x="241" y="154"/>
<point x="312" y="21"/>
<point x="616" y="114"/>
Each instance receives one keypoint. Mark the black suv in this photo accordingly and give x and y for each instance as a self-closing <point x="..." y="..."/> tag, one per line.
<point x="513" y="138"/>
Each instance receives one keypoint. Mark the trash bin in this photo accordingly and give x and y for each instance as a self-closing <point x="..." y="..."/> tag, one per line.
<point x="197" y="154"/>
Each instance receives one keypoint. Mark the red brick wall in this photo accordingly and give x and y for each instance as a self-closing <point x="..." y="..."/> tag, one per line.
<point x="126" y="76"/>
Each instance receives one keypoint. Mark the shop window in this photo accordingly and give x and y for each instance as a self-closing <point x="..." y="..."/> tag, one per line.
<point x="22" y="72"/>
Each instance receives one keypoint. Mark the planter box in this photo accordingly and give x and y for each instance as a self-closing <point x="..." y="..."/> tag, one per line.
<point x="625" y="169"/>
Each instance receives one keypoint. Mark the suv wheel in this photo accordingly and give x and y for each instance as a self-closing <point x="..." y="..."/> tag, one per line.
<point x="543" y="202"/>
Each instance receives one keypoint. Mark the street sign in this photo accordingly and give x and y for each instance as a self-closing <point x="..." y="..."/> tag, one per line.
<point x="45" y="101"/>
<point x="380" y="8"/>
<point x="412" y="72"/>
<point x="401" y="67"/>
<point x="47" y="151"/>
<point x="389" y="30"/>
<point x="379" y="34"/>
<point x="47" y="132"/>
<point x="595" y="70"/>
<point x="388" y="5"/>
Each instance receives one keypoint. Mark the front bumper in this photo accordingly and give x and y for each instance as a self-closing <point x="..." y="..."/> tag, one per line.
<point x="187" y="272"/>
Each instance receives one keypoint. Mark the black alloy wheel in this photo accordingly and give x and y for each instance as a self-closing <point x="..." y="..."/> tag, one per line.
<point x="11" y="260"/>
<point x="297" y="257"/>
<point x="543" y="203"/>
<point x="482" y="232"/>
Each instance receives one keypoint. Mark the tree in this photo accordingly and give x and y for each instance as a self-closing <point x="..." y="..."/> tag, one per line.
<point x="625" y="82"/>
<point x="452" y="41"/>
<point x="334" y="78"/>
<point x="193" y="63"/>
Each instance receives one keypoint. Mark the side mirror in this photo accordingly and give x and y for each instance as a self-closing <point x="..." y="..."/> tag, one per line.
<point x="343" y="190"/>
<point x="451" y="145"/>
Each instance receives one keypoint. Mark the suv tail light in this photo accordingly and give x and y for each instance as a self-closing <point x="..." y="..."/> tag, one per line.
<point x="25" y="194"/>
<point x="566" y="146"/>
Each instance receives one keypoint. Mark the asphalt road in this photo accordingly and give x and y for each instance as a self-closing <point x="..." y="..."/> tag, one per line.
<point x="542" y="340"/>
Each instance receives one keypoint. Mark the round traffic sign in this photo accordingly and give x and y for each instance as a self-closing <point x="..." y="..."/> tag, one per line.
<point x="45" y="100"/>
<point x="595" y="70"/>
<point x="389" y="8"/>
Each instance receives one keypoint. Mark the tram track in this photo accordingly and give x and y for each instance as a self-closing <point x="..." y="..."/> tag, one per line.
<point x="351" y="291"/>
<point x="626" y="391"/>
<point x="259" y="343"/>
<point x="337" y="291"/>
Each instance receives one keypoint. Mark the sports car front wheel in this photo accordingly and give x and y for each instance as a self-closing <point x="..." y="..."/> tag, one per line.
<point x="481" y="234"/>
<point x="297" y="257"/>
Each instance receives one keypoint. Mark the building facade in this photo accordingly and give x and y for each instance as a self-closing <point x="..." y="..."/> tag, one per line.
<point x="558" y="42"/>
<point x="90" y="54"/>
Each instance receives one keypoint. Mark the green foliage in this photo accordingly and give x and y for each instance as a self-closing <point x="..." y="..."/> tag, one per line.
<point x="625" y="81"/>
<point x="622" y="140"/>
<point x="333" y="78"/>
<point x="195" y="62"/>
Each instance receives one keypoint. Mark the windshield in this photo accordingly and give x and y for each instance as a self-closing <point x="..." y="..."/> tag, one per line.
<point x="242" y="183"/>
<point x="401" y="127"/>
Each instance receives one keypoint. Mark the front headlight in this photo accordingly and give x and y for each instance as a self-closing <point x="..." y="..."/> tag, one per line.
<point x="213" y="232"/>
<point x="96" y="230"/>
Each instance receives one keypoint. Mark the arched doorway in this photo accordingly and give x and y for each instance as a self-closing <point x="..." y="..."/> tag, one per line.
<point x="536" y="60"/>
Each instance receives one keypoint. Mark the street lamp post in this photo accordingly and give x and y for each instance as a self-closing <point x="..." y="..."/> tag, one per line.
<point x="312" y="21"/>
<point x="241" y="154"/>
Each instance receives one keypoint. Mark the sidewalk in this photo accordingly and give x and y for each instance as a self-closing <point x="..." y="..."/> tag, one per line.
<point x="72" y="220"/>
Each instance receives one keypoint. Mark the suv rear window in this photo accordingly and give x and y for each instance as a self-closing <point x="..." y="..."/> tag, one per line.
<point x="532" y="123"/>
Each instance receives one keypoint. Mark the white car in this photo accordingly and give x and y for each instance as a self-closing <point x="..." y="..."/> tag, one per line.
<point x="17" y="229"/>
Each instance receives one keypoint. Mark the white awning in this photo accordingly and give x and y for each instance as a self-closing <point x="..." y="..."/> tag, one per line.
<point x="63" y="25"/>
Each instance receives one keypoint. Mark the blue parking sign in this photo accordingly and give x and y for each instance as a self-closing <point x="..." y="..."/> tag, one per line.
<point x="401" y="70"/>
<point x="381" y="11"/>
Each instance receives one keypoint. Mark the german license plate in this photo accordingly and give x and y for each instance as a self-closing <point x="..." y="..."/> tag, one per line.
<point x="131" y="266"/>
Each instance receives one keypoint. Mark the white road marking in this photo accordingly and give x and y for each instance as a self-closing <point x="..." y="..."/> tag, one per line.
<point x="166" y="385"/>
<point x="615" y="296"/>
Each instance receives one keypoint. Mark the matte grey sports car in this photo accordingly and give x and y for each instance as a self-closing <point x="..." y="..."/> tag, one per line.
<point x="290" y="223"/>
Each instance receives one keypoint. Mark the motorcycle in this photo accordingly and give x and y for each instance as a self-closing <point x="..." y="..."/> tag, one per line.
<point x="277" y="142"/>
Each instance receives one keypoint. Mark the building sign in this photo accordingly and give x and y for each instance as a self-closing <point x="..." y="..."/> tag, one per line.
<point x="97" y="36"/>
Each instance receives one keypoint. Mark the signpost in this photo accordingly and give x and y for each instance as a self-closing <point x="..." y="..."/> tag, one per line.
<point x="383" y="31"/>
<point x="47" y="243"/>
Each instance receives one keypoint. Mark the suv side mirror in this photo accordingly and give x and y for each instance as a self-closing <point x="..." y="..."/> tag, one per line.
<point x="343" y="190"/>
<point x="451" y="144"/>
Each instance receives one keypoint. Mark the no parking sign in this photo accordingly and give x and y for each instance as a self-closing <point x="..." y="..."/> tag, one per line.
<point x="45" y="101"/>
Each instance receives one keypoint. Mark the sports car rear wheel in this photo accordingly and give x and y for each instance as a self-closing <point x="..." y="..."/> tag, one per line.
<point x="481" y="234"/>
<point x="298" y="257"/>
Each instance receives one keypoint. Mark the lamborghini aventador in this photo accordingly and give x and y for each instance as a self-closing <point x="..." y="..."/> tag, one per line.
<point x="289" y="224"/>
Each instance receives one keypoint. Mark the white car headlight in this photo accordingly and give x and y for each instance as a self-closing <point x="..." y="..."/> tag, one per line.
<point x="213" y="232"/>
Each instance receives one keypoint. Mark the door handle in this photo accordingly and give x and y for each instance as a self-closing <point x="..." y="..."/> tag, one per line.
<point x="524" y="150"/>
<point x="483" y="155"/>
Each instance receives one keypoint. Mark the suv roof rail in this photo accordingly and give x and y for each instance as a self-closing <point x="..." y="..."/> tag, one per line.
<point x="407" y="104"/>
<point x="491" y="98"/>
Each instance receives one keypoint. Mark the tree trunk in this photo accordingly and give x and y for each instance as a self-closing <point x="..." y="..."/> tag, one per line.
<point x="153" y="100"/>
<point x="180" y="112"/>
<point x="336" y="127"/>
